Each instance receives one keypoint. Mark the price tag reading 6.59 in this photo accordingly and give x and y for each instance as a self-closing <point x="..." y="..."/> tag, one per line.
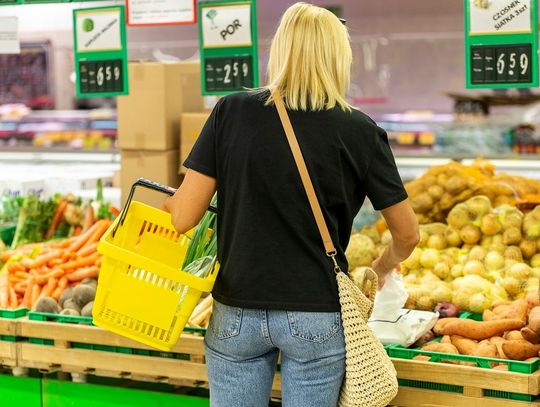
<point x="501" y="64"/>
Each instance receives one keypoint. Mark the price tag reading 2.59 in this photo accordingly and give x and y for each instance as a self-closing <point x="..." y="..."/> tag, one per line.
<point x="501" y="64"/>
<point x="226" y="74"/>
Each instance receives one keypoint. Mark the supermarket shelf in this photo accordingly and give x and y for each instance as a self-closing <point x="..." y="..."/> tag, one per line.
<point x="28" y="154"/>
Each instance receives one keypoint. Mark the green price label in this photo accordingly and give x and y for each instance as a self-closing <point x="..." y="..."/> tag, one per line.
<point x="228" y="46"/>
<point x="501" y="43"/>
<point x="100" y="51"/>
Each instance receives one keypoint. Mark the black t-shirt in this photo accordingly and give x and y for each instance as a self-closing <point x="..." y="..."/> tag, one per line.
<point x="269" y="247"/>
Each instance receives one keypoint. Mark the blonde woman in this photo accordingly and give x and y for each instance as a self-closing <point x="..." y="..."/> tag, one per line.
<point x="276" y="292"/>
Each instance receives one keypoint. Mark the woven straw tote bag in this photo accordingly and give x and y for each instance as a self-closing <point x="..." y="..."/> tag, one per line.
<point x="370" y="377"/>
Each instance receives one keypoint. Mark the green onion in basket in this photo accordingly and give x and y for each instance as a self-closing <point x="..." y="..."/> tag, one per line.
<point x="202" y="249"/>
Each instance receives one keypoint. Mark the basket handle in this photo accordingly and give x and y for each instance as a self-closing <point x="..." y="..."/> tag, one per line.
<point x="146" y="183"/>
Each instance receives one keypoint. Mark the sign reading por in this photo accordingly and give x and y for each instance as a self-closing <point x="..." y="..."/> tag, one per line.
<point x="500" y="16"/>
<point x="501" y="43"/>
<point x="100" y="51"/>
<point x="228" y="46"/>
<point x="226" y="26"/>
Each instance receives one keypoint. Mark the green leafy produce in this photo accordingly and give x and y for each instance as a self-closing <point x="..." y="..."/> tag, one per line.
<point x="9" y="209"/>
<point x="34" y="219"/>
<point x="202" y="248"/>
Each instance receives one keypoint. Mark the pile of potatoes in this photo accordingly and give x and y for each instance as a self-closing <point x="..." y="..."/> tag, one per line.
<point x="442" y="187"/>
<point x="74" y="301"/>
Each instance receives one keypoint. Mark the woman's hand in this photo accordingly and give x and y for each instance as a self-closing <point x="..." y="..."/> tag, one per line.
<point x="383" y="269"/>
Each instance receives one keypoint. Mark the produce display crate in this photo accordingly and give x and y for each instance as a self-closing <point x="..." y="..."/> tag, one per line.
<point x="183" y="366"/>
<point x="7" y="327"/>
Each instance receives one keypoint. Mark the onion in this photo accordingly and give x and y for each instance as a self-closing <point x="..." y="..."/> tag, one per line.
<point x="513" y="253"/>
<point x="470" y="234"/>
<point x="452" y="237"/>
<point x="429" y="258"/>
<point x="474" y="267"/>
<point x="489" y="225"/>
<point x="479" y="302"/>
<point x="512" y="235"/>
<point x="456" y="271"/>
<point x="494" y="260"/>
<point x="535" y="261"/>
<point x="528" y="248"/>
<point x="479" y="205"/>
<point x="477" y="253"/>
<point x="519" y="271"/>
<point x="459" y="216"/>
<point x="512" y="286"/>
<point x="441" y="270"/>
<point x="437" y="241"/>
<point x="413" y="261"/>
<point x="423" y="238"/>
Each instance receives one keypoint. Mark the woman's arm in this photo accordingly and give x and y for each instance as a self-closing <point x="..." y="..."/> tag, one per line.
<point x="188" y="205"/>
<point x="403" y="226"/>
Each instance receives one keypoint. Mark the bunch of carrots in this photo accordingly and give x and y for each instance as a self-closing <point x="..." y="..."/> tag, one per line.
<point x="47" y="269"/>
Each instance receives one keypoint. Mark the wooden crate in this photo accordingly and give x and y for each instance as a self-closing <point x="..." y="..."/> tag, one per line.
<point x="62" y="356"/>
<point x="8" y="350"/>
<point x="474" y="381"/>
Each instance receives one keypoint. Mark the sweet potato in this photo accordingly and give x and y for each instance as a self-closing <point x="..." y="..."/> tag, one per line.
<point x="515" y="310"/>
<point x="486" y="349"/>
<point x="441" y="323"/>
<point x="520" y="349"/>
<point x="533" y="299"/>
<point x="498" y="341"/>
<point x="440" y="347"/>
<point x="513" y="335"/>
<point x="464" y="346"/>
<point x="501" y="367"/>
<point x="446" y="339"/>
<point x="423" y="358"/>
<point x="489" y="315"/>
<point x="481" y="329"/>
<point x="534" y="320"/>
<point x="529" y="335"/>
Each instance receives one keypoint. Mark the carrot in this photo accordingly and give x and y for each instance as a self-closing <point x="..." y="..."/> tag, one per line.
<point x="98" y="262"/>
<point x="114" y="210"/>
<point x="15" y="266"/>
<point x="27" y="299"/>
<point x="82" y="239"/>
<point x="82" y="273"/>
<point x="81" y="262"/>
<point x="54" y="262"/>
<point x="89" y="218"/>
<point x="100" y="231"/>
<point x="49" y="288"/>
<point x="22" y="274"/>
<point x="36" y="291"/>
<point x="62" y="244"/>
<point x="20" y="288"/>
<point x="13" y="301"/>
<point x="479" y="330"/>
<point x="56" y="218"/>
<point x="88" y="249"/>
<point x="42" y="260"/>
<point x="62" y="284"/>
<point x="43" y="279"/>
<point x="77" y="230"/>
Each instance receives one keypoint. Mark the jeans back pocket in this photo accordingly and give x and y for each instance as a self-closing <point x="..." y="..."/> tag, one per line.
<point x="314" y="326"/>
<point x="225" y="321"/>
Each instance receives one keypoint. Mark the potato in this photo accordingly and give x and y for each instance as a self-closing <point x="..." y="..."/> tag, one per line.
<point x="48" y="305"/>
<point x="513" y="336"/>
<point x="70" y="304"/>
<point x="440" y="347"/>
<point x="90" y="281"/>
<point x="87" y="310"/>
<point x="83" y="294"/>
<point x="70" y="312"/>
<point x="520" y="349"/>
<point x="66" y="294"/>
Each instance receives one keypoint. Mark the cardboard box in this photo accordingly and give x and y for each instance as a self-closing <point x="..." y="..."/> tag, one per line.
<point x="158" y="166"/>
<point x="191" y="126"/>
<point x="158" y="93"/>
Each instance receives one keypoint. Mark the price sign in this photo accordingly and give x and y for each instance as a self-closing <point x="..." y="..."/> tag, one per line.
<point x="228" y="46"/>
<point x="9" y="2"/>
<point x="501" y="43"/>
<point x="100" y="51"/>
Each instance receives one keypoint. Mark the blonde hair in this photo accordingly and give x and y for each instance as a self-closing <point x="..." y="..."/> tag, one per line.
<point x="310" y="59"/>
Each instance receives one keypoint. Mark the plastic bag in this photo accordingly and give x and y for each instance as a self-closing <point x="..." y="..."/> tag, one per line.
<point x="393" y="324"/>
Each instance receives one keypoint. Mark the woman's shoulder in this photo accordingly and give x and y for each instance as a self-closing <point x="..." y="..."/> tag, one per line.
<point x="245" y="98"/>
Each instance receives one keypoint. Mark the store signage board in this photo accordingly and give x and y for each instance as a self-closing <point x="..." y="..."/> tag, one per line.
<point x="160" y="12"/>
<point x="9" y="35"/>
<point x="100" y="51"/>
<point x="501" y="43"/>
<point x="9" y="2"/>
<point x="228" y="46"/>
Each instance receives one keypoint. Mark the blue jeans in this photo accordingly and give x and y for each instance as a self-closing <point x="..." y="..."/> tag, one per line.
<point x="242" y="347"/>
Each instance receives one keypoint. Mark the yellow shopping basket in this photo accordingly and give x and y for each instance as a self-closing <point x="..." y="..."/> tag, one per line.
<point x="142" y="293"/>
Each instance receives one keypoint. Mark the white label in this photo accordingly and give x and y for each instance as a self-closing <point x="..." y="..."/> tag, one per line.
<point x="226" y="26"/>
<point x="499" y="16"/>
<point x="98" y="30"/>
<point x="141" y="12"/>
<point x="9" y="35"/>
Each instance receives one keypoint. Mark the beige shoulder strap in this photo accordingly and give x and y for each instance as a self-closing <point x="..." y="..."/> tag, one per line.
<point x="304" y="175"/>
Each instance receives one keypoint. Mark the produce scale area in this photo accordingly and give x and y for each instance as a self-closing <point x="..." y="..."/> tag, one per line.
<point x="79" y="126"/>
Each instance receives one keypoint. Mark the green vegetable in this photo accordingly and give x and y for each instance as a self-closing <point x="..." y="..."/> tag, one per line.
<point x="88" y="25"/>
<point x="202" y="250"/>
<point x="9" y="209"/>
<point x="34" y="219"/>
